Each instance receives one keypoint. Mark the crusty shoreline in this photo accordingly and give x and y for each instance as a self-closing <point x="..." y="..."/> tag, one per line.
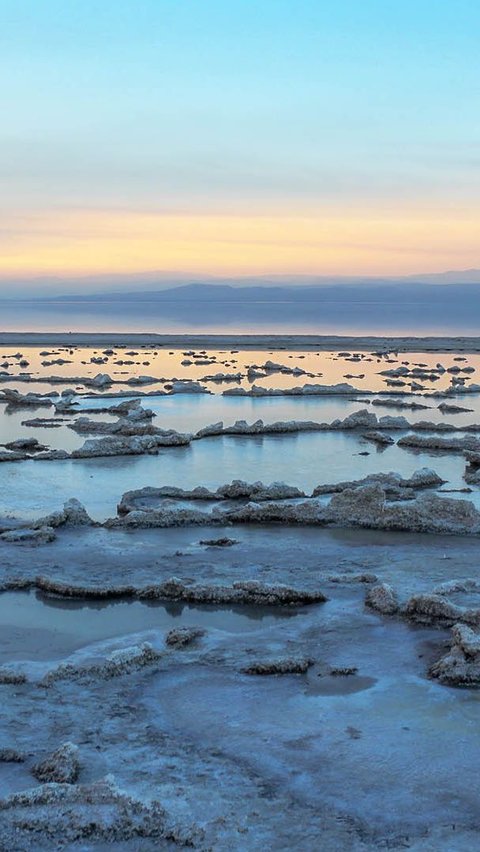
<point x="242" y="341"/>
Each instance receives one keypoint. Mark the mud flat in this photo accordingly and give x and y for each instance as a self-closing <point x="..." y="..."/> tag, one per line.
<point x="242" y="341"/>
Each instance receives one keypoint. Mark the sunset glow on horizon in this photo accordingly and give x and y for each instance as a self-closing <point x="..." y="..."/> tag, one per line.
<point x="96" y="242"/>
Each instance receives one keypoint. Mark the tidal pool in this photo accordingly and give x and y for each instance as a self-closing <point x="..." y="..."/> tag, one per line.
<point x="37" y="627"/>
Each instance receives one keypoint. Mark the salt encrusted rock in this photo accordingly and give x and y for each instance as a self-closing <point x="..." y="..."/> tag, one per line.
<point x="218" y="542"/>
<point x="353" y="578"/>
<point x="472" y="470"/>
<point x="392" y="483"/>
<point x="378" y="438"/>
<point x="382" y="598"/>
<point x="101" y="380"/>
<point x="223" y="377"/>
<point x="380" y="501"/>
<point x="188" y="387"/>
<point x="272" y="367"/>
<point x="135" y="423"/>
<point x="241" y="592"/>
<point x="461" y="665"/>
<point x="424" y="478"/>
<point x="436" y="442"/>
<point x="241" y="427"/>
<point x="31" y="445"/>
<point x="11" y="456"/>
<point x="45" y="422"/>
<point x="449" y="587"/>
<point x="76" y="514"/>
<point x="41" y="534"/>
<point x="61" y="589"/>
<point x="280" y="666"/>
<point x="398" y="422"/>
<point x="10" y="676"/>
<point x="137" y="445"/>
<point x="367" y="507"/>
<point x="211" y="430"/>
<point x="168" y="515"/>
<point x="447" y="408"/>
<point x="473" y="458"/>
<point x="73" y="514"/>
<point x="181" y="636"/>
<point x="395" y="371"/>
<point x="307" y="512"/>
<point x="11" y="755"/>
<point x="344" y="671"/>
<point x="52" y="455"/>
<point x="132" y="500"/>
<point x="142" y="380"/>
<point x="305" y="390"/>
<point x="65" y="406"/>
<point x="15" y="399"/>
<point x="131" y="408"/>
<point x="61" y="767"/>
<point x="395" y="486"/>
<point x="99" y="813"/>
<point x="116" y="664"/>
<point x="437" y="609"/>
<point x="399" y="403"/>
<point x="258" y="491"/>
<point x="357" y="420"/>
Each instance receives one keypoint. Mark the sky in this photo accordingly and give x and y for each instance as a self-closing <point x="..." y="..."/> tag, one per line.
<point x="199" y="137"/>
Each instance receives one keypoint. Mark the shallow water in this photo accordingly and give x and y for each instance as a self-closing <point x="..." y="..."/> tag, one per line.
<point x="191" y="412"/>
<point x="36" y="627"/>
<point x="165" y="365"/>
<point x="260" y="314"/>
<point x="305" y="460"/>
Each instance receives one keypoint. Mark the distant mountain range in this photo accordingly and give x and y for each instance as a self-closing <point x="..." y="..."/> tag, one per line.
<point x="156" y="285"/>
<point x="405" y="292"/>
<point x="409" y="305"/>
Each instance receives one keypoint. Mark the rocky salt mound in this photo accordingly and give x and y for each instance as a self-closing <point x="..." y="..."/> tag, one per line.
<point x="461" y="664"/>
<point x="382" y="501"/>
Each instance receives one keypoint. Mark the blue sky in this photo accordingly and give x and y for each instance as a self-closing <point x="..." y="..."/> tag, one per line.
<point x="198" y="109"/>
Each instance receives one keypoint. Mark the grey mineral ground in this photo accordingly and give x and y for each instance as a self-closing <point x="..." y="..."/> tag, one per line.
<point x="234" y="740"/>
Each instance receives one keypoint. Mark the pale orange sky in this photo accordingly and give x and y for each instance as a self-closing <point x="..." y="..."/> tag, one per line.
<point x="239" y="138"/>
<point x="360" y="242"/>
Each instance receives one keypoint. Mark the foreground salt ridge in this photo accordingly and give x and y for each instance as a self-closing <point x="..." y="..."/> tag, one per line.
<point x="364" y="506"/>
<point x="380" y="501"/>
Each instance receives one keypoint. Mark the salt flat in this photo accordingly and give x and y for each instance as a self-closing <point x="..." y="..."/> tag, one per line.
<point x="214" y="661"/>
